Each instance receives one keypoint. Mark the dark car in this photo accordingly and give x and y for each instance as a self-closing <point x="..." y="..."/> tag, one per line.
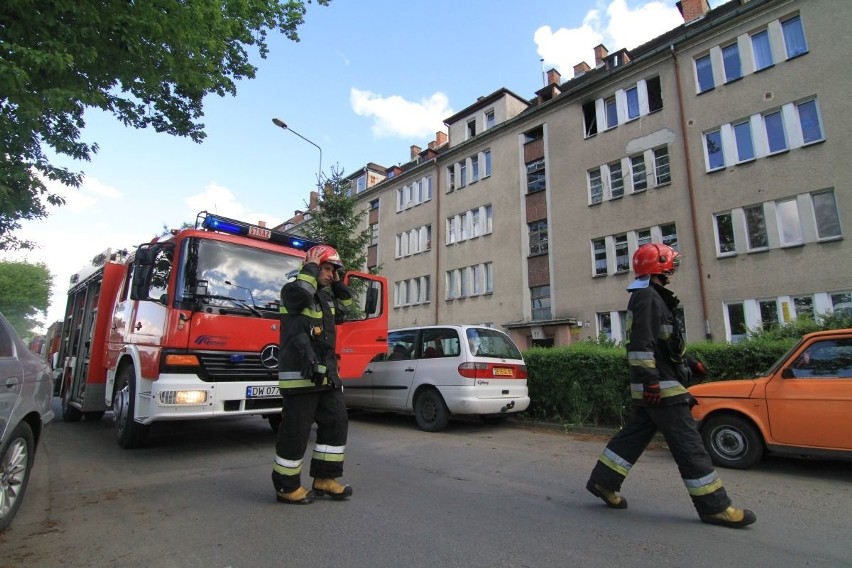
<point x="26" y="390"/>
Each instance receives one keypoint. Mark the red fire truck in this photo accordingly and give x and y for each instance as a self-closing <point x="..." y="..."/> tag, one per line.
<point x="187" y="327"/>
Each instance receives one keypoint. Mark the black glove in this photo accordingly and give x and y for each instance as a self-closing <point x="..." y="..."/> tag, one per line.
<point x="697" y="366"/>
<point x="335" y="382"/>
<point x="307" y="357"/>
<point x="651" y="393"/>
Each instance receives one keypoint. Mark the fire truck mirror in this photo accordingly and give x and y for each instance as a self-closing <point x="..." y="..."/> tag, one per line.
<point x="141" y="279"/>
<point x="372" y="301"/>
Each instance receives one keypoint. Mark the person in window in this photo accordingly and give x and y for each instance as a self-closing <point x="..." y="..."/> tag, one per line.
<point x="660" y="401"/>
<point x="311" y="306"/>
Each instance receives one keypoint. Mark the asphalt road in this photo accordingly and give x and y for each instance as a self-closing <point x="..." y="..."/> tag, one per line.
<point x="474" y="495"/>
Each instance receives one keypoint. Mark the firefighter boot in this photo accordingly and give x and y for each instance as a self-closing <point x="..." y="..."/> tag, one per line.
<point x="300" y="496"/>
<point x="330" y="487"/>
<point x="731" y="517"/>
<point x="612" y="499"/>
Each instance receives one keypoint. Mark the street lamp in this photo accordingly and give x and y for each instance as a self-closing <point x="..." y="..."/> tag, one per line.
<point x="281" y="124"/>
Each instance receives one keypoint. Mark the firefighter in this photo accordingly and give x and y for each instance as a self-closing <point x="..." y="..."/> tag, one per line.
<point x="655" y="348"/>
<point x="311" y="306"/>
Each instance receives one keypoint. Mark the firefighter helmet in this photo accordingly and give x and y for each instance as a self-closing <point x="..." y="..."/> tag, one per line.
<point x="655" y="258"/>
<point x="326" y="254"/>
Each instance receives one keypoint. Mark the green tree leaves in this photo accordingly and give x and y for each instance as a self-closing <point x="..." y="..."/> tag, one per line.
<point x="24" y="293"/>
<point x="149" y="63"/>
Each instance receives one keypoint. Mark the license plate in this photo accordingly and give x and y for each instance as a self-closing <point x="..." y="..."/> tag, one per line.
<point x="262" y="392"/>
<point x="502" y="372"/>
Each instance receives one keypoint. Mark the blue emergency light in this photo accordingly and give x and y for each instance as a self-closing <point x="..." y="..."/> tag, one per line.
<point x="233" y="227"/>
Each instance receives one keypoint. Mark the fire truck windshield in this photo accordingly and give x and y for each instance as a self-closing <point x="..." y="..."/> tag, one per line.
<point x="214" y="272"/>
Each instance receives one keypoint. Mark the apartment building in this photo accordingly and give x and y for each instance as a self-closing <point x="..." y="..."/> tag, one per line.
<point x="723" y="138"/>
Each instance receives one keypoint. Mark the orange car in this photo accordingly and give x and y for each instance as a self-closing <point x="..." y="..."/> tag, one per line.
<point x="801" y="406"/>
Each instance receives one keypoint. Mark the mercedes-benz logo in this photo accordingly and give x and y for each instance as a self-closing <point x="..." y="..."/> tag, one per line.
<point x="269" y="356"/>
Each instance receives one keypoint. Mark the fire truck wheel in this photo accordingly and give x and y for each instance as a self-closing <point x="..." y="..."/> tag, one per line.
<point x="69" y="413"/>
<point x="130" y="433"/>
<point x="274" y="421"/>
<point x="16" y="461"/>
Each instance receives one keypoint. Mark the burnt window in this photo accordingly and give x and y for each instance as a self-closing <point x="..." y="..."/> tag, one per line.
<point x="590" y="119"/>
<point x="655" y="94"/>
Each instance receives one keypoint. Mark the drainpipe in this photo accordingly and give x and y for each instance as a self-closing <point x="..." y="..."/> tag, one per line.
<point x="436" y="235"/>
<point x="691" y="192"/>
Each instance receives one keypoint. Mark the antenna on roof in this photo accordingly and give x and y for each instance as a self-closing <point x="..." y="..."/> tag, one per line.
<point x="543" y="74"/>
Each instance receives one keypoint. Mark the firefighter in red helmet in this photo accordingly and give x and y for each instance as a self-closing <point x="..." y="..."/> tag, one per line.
<point x="655" y="348"/>
<point x="311" y="306"/>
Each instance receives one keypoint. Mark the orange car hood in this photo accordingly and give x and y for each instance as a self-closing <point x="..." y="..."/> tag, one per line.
<point x="741" y="388"/>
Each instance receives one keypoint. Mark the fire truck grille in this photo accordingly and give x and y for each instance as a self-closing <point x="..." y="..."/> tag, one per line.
<point x="224" y="367"/>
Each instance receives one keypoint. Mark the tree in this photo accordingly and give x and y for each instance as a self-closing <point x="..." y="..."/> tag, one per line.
<point x="335" y="221"/>
<point x="148" y="63"/>
<point x="24" y="294"/>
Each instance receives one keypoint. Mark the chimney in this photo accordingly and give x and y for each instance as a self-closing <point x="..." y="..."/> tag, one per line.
<point x="314" y="200"/>
<point x="600" y="54"/>
<point x="296" y="213"/>
<point x="553" y="77"/>
<point x="415" y="151"/>
<point x="581" y="68"/>
<point x="692" y="10"/>
<point x="440" y="138"/>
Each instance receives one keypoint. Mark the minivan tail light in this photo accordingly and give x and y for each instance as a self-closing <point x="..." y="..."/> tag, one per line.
<point x="492" y="371"/>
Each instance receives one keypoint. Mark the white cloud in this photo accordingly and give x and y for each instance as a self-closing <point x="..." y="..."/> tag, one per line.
<point x="622" y="27"/>
<point x="396" y="117"/>
<point x="222" y="201"/>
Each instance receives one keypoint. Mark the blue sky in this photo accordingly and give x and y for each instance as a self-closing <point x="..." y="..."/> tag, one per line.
<point x="367" y="80"/>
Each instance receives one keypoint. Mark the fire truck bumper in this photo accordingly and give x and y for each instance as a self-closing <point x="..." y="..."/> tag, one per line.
<point x="182" y="397"/>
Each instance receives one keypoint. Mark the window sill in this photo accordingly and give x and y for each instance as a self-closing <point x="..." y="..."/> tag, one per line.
<point x="778" y="153"/>
<point x="726" y="255"/>
<point x="536" y="254"/>
<point x="762" y="69"/>
<point x="796" y="56"/>
<point x="708" y="90"/>
<point x="830" y="239"/>
<point x="615" y="197"/>
<point x="604" y="275"/>
<point x="734" y="80"/>
<point x="716" y="169"/>
<point x="758" y="250"/>
<point x="813" y="143"/>
<point x="639" y="191"/>
<point x="748" y="161"/>
<point x="596" y="203"/>
<point x="793" y="245"/>
<point x="664" y="184"/>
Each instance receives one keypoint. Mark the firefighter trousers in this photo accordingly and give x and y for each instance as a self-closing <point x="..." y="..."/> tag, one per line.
<point x="676" y="424"/>
<point x="328" y="409"/>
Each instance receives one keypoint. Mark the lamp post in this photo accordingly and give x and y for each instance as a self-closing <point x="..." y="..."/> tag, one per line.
<point x="281" y="124"/>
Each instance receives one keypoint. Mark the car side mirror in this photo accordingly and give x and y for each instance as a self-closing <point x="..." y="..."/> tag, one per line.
<point x="787" y="373"/>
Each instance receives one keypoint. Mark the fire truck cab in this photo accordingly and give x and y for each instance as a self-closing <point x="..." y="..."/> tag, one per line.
<point x="187" y="327"/>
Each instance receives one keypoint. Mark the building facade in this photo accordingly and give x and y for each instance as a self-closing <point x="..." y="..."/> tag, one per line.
<point x="722" y="138"/>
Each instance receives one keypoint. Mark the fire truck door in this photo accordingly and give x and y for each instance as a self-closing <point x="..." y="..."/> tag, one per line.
<point x="364" y="333"/>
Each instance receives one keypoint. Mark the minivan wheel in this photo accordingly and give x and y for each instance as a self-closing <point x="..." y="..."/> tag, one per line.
<point x="430" y="412"/>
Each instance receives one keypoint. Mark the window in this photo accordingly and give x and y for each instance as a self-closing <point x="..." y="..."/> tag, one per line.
<point x="595" y="186"/>
<point x="668" y="234"/>
<point x="731" y="60"/>
<point x="536" y="133"/>
<point x="611" y="112"/>
<point x="590" y="119"/>
<point x="632" y="103"/>
<point x="471" y="128"/>
<point x="487" y="159"/>
<point x="540" y="302"/>
<point x="788" y="222"/>
<point x="538" y="237"/>
<point x="756" y="227"/>
<point x="768" y="313"/>
<point x="804" y="306"/>
<point x="451" y="178"/>
<point x="841" y="303"/>
<point x="374" y="234"/>
<point x="616" y="180"/>
<point x="643" y="237"/>
<point x="725" y="234"/>
<point x="762" y="50"/>
<point x="655" y="94"/>
<point x="622" y="258"/>
<point x="794" y="37"/>
<point x="462" y="173"/>
<point x="745" y="145"/>
<point x="476" y="223"/>
<point x="661" y="166"/>
<point x="599" y="252"/>
<point x="427" y="188"/>
<point x="638" y="175"/>
<point x="713" y="148"/>
<point x="775" y="132"/>
<point x="361" y="184"/>
<point x="474" y="169"/>
<point x="737" y="322"/>
<point x="809" y="121"/>
<point x="489" y="119"/>
<point x="535" y="176"/>
<point x="452" y="284"/>
<point x="827" y="219"/>
<point x="489" y="277"/>
<point x="704" y="73"/>
<point x="605" y="324"/>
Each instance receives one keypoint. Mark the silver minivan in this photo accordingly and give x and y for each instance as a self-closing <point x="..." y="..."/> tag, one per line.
<point x="437" y="371"/>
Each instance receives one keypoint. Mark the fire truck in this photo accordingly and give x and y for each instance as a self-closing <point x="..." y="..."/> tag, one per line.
<point x="187" y="327"/>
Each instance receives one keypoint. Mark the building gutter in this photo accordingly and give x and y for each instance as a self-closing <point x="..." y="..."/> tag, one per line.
<point x="690" y="190"/>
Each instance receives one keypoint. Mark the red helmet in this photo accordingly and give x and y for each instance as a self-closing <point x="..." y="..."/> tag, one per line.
<point x="655" y="258"/>
<point x="326" y="254"/>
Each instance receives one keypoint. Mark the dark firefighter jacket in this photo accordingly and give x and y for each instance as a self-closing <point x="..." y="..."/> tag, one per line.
<point x="655" y="344"/>
<point x="308" y="318"/>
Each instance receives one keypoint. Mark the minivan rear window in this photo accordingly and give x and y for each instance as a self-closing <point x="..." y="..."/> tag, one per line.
<point x="491" y="343"/>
